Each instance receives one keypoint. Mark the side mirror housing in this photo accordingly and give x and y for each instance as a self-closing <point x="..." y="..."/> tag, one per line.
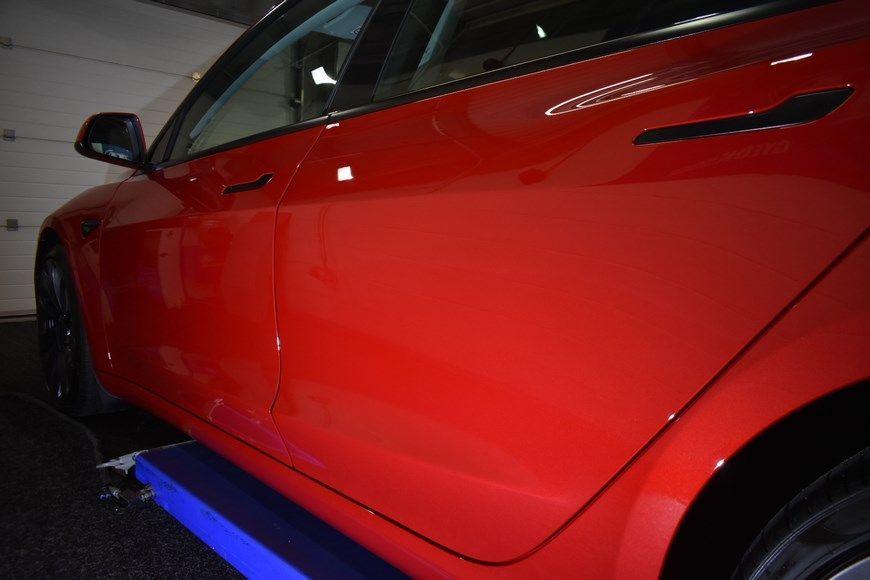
<point x="114" y="138"/>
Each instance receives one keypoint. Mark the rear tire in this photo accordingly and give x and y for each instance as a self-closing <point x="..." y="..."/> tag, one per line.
<point x="824" y="532"/>
<point x="69" y="376"/>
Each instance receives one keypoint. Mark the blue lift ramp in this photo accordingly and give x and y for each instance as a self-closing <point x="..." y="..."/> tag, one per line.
<point x="258" y="531"/>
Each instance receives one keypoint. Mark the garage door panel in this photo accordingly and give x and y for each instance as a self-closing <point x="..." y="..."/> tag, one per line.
<point x="22" y="65"/>
<point x="10" y="248"/>
<point x="37" y="189"/>
<point x="19" y="277"/>
<point x="77" y="72"/>
<point x="16" y="306"/>
<point x="69" y="60"/>
<point x="52" y="176"/>
<point x="45" y="148"/>
<point x="70" y="162"/>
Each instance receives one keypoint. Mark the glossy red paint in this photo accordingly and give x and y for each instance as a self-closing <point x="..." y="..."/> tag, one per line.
<point x="187" y="271"/>
<point x="84" y="255"/>
<point x="820" y="346"/>
<point x="489" y="303"/>
<point x="625" y="533"/>
<point x="502" y="306"/>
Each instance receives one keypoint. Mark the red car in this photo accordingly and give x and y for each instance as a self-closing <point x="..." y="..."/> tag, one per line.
<point x="505" y="287"/>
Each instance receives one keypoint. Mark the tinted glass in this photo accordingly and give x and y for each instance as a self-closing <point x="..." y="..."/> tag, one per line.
<point x="159" y="148"/>
<point x="284" y="76"/>
<point x="446" y="40"/>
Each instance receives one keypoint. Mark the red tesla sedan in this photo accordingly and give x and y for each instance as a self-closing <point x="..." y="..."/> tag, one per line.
<point x="505" y="287"/>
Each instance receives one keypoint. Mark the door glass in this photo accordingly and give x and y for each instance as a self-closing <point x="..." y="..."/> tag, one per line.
<point x="283" y="76"/>
<point x="446" y="40"/>
<point x="158" y="151"/>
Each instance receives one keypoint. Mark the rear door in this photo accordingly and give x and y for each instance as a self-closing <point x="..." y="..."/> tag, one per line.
<point x="187" y="265"/>
<point x="493" y="291"/>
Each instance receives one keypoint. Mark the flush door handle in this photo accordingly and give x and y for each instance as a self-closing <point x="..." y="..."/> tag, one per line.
<point x="797" y="110"/>
<point x="250" y="185"/>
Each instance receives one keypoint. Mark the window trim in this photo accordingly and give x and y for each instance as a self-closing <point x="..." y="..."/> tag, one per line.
<point x="382" y="31"/>
<point x="350" y="109"/>
<point x="168" y="127"/>
<point x="766" y="10"/>
<point x="306" y="9"/>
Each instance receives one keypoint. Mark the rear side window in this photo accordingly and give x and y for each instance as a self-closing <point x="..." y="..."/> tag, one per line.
<point x="285" y="75"/>
<point x="447" y="40"/>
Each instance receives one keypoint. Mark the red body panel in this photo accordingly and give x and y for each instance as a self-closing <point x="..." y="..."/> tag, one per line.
<point x="824" y="340"/>
<point x="84" y="255"/>
<point x="818" y="347"/>
<point x="489" y="302"/>
<point x="188" y="273"/>
<point x="502" y="307"/>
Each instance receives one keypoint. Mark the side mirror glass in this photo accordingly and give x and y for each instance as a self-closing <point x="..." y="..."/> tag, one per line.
<point x="114" y="138"/>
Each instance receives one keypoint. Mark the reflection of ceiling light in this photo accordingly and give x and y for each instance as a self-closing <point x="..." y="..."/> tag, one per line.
<point x="344" y="173"/>
<point x="793" y="59"/>
<point x="321" y="78"/>
<point x="541" y="33"/>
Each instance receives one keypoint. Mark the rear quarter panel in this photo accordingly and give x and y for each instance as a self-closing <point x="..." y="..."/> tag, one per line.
<point x="819" y="347"/>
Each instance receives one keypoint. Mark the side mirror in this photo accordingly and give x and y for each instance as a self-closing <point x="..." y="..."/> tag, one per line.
<point x="114" y="138"/>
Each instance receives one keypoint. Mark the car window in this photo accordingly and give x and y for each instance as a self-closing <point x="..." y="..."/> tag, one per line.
<point x="446" y="40"/>
<point x="158" y="149"/>
<point x="285" y="75"/>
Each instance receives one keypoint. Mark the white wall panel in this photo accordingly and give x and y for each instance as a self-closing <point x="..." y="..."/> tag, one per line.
<point x="72" y="58"/>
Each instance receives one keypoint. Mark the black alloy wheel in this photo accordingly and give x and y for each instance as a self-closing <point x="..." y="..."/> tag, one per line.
<point x="823" y="533"/>
<point x="58" y="324"/>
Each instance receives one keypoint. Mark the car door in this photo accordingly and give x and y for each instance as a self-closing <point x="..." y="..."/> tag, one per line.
<point x="187" y="269"/>
<point x="549" y="229"/>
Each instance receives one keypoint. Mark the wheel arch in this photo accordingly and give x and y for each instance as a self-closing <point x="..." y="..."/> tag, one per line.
<point x="61" y="229"/>
<point x="48" y="238"/>
<point x="765" y="474"/>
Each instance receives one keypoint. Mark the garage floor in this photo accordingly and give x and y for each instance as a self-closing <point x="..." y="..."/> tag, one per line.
<point x="52" y="522"/>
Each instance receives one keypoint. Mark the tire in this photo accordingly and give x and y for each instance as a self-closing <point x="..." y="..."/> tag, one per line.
<point x="824" y="532"/>
<point x="69" y="377"/>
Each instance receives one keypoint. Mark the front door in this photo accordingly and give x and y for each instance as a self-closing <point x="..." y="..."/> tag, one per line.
<point x="187" y="268"/>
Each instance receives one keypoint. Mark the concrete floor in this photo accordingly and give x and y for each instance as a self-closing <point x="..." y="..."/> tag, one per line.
<point x="52" y="522"/>
<point x="118" y="433"/>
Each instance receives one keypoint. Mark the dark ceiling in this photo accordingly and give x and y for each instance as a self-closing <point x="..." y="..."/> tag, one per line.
<point x="241" y="11"/>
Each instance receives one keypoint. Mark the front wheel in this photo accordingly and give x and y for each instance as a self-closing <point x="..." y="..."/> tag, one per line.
<point x="824" y="532"/>
<point x="66" y="363"/>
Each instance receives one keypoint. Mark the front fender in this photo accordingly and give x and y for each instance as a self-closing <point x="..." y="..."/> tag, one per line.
<point x="64" y="225"/>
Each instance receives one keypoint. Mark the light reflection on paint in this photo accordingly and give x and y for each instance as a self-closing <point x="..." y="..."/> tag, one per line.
<point x="592" y="97"/>
<point x="345" y="173"/>
<point x="792" y="59"/>
<point x="614" y="92"/>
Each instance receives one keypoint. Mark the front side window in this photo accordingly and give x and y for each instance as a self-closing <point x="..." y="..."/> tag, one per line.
<point x="158" y="151"/>
<point x="447" y="40"/>
<point x="285" y="75"/>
